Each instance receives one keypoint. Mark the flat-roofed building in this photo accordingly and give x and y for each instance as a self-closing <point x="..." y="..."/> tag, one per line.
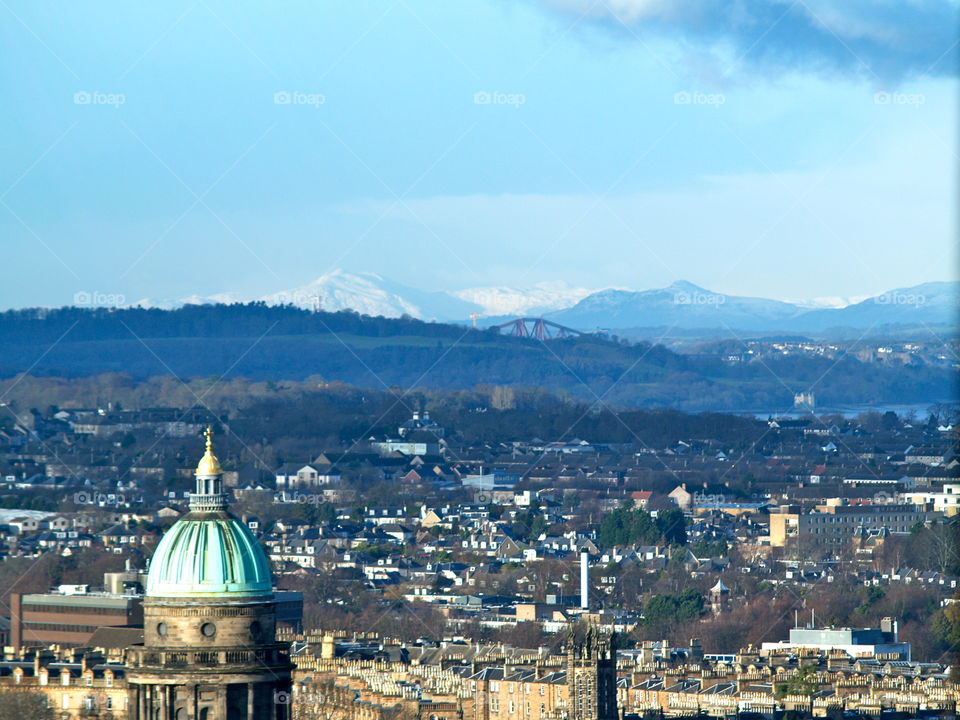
<point x="835" y="524"/>
<point x="883" y="642"/>
<point x="69" y="618"/>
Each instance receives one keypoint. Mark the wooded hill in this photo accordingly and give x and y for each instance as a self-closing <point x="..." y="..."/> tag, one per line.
<point x="260" y="342"/>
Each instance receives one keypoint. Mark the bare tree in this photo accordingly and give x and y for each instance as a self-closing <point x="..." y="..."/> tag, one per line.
<point x="24" y="705"/>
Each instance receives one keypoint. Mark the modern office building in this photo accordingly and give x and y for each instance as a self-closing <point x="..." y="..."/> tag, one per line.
<point x="70" y="615"/>
<point x="883" y="642"/>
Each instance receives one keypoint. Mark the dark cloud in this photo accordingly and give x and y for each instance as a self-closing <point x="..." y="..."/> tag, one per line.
<point x="878" y="39"/>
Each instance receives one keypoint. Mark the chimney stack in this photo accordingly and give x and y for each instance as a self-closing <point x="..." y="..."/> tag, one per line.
<point x="584" y="580"/>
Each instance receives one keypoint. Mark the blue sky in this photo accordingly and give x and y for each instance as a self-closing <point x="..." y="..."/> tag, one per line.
<point x="767" y="148"/>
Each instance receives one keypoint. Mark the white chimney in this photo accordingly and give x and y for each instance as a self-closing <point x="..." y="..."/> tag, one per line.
<point x="584" y="580"/>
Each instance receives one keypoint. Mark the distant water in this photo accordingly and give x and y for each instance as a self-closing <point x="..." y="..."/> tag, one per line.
<point x="921" y="410"/>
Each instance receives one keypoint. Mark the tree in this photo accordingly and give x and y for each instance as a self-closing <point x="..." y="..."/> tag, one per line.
<point x="671" y="609"/>
<point x="628" y="525"/>
<point x="24" y="705"/>
<point x="803" y="682"/>
<point x="673" y="526"/>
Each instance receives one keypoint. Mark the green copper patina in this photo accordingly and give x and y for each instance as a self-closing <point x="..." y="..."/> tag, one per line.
<point x="208" y="552"/>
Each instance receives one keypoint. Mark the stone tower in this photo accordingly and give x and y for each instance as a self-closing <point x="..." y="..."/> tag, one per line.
<point x="210" y="649"/>
<point x="592" y="675"/>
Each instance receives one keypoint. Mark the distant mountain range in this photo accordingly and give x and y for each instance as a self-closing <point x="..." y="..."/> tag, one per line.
<point x="687" y="306"/>
<point x="681" y="305"/>
<point x="371" y="294"/>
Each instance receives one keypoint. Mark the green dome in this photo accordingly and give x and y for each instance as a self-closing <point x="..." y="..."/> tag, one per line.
<point x="207" y="554"/>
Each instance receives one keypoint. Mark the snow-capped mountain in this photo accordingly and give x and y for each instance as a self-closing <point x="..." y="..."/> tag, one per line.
<point x="932" y="303"/>
<point x="226" y="298"/>
<point x="681" y="305"/>
<point x="371" y="294"/>
<point x="542" y="298"/>
<point x="832" y="302"/>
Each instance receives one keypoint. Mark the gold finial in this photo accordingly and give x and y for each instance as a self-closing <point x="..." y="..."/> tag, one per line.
<point x="209" y="465"/>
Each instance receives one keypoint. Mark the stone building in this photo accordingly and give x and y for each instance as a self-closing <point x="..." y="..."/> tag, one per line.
<point x="592" y="676"/>
<point x="210" y="650"/>
<point x="76" y="683"/>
